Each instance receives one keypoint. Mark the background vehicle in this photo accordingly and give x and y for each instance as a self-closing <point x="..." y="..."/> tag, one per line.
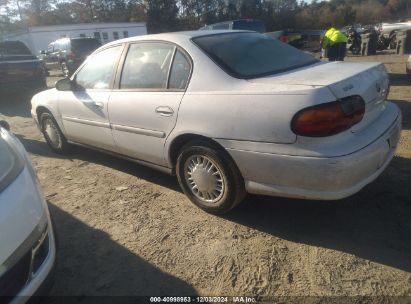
<point x="389" y="31"/>
<point x="37" y="38"/>
<point x="68" y="53"/>
<point x="294" y="38"/>
<point x="354" y="41"/>
<point x="241" y="24"/>
<point x="19" y="69"/>
<point x="27" y="251"/>
<point x="228" y="112"/>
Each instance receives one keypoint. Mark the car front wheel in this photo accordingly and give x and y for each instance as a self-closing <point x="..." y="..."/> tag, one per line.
<point x="209" y="177"/>
<point x="52" y="133"/>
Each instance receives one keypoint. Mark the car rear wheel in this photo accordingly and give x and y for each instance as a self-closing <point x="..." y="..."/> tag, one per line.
<point x="52" y="133"/>
<point x="209" y="177"/>
<point x="393" y="41"/>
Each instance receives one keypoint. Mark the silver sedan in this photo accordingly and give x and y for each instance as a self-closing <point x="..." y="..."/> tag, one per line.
<point x="228" y="112"/>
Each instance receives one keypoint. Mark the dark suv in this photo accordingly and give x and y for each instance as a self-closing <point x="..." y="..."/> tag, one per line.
<point x="19" y="68"/>
<point x="68" y="53"/>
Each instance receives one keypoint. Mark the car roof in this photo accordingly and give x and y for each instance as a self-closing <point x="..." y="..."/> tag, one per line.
<point x="176" y="35"/>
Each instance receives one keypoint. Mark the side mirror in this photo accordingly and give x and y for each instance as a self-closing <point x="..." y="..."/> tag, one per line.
<point x="4" y="124"/>
<point x="64" y="84"/>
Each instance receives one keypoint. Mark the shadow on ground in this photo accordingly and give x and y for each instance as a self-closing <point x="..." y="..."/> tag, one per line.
<point x="40" y="148"/>
<point x="405" y="107"/>
<point x="374" y="224"/>
<point x="94" y="264"/>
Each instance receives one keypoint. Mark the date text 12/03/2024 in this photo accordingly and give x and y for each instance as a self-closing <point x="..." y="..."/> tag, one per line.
<point x="234" y="299"/>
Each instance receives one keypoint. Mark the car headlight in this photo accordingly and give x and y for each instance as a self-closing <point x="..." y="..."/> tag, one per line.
<point x="11" y="161"/>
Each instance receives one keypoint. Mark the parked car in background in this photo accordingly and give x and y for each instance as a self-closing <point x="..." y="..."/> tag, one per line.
<point x="408" y="65"/>
<point x="27" y="251"/>
<point x="19" y="69"/>
<point x="308" y="40"/>
<point x="389" y="31"/>
<point x="241" y="24"/>
<point x="67" y="54"/>
<point x="228" y="112"/>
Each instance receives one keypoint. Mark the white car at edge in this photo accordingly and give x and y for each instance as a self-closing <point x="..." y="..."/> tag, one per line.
<point x="27" y="244"/>
<point x="228" y="112"/>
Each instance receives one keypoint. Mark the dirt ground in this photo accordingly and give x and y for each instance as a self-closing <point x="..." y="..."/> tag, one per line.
<point x="146" y="238"/>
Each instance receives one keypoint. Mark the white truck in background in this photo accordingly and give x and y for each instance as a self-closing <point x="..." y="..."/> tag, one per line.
<point x="37" y="38"/>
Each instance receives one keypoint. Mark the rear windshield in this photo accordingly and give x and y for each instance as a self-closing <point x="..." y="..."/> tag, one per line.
<point x="251" y="55"/>
<point x="14" y="48"/>
<point x="85" y="45"/>
<point x="249" y="25"/>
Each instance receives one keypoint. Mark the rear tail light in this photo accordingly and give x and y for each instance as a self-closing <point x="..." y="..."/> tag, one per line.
<point x="284" y="38"/>
<point x="329" y="118"/>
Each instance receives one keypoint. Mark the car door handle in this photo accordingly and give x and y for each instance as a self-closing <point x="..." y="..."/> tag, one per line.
<point x="164" y="111"/>
<point x="97" y="104"/>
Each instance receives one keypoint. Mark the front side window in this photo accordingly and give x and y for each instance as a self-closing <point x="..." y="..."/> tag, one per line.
<point x="147" y="66"/>
<point x="97" y="72"/>
<point x="251" y="55"/>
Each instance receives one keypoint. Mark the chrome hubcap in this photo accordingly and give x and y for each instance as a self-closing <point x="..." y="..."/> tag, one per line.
<point x="204" y="178"/>
<point x="52" y="133"/>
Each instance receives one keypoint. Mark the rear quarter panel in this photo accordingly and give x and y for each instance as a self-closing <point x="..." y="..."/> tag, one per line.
<point x="252" y="114"/>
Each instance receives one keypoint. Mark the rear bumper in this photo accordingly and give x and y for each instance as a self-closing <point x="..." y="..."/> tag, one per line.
<point x="317" y="178"/>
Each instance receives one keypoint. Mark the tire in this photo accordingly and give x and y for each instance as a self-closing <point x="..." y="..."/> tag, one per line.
<point x="393" y="41"/>
<point x="51" y="131"/>
<point x="209" y="177"/>
<point x="65" y="70"/>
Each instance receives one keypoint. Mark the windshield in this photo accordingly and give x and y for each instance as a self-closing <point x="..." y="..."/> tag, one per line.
<point x="13" y="48"/>
<point x="85" y="45"/>
<point x="251" y="55"/>
<point x="249" y="25"/>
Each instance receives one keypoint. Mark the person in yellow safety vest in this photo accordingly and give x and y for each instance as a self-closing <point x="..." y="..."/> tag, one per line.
<point x="335" y="44"/>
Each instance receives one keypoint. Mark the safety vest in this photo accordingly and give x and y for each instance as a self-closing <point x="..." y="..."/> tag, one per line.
<point x="333" y="36"/>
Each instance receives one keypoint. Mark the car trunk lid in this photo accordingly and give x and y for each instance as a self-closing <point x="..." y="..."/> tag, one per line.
<point x="368" y="80"/>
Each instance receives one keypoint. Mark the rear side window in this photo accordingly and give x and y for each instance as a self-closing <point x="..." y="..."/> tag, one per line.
<point x="97" y="72"/>
<point x="147" y="66"/>
<point x="14" y="48"/>
<point x="251" y="55"/>
<point x="180" y="72"/>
